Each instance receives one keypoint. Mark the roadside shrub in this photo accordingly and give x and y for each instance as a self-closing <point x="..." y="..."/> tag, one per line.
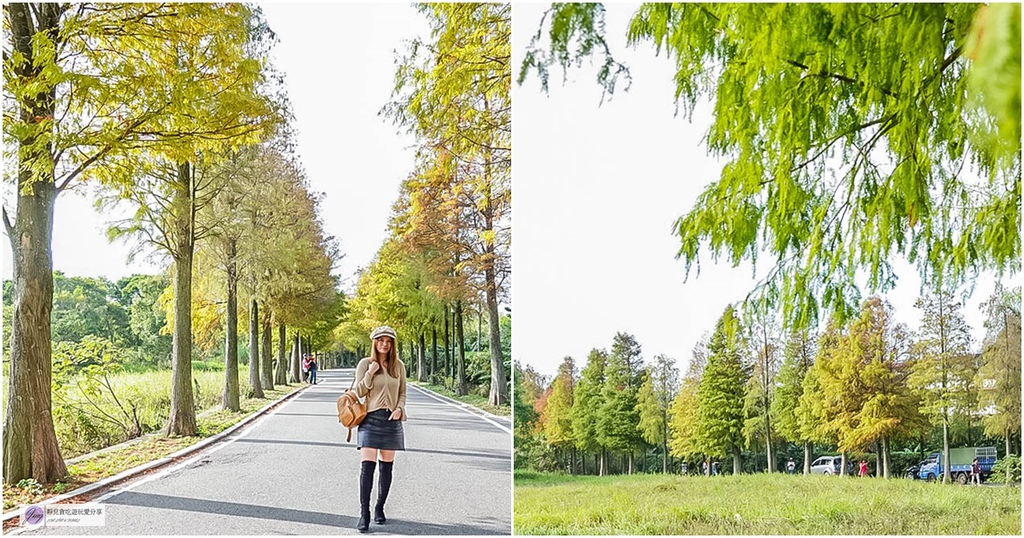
<point x="539" y="457"/>
<point x="1008" y="465"/>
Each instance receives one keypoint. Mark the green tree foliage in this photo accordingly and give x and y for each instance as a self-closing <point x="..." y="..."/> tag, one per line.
<point x="587" y="404"/>
<point x="1000" y="372"/>
<point x="618" y="417"/>
<point x="90" y="84"/>
<point x="140" y="294"/>
<point x="557" y="415"/>
<point x="683" y="424"/>
<point x="798" y="357"/>
<point x="879" y="350"/>
<point x="856" y="393"/>
<point x="720" y="414"/>
<point x="943" y="373"/>
<point x="813" y="410"/>
<point x="654" y="399"/>
<point x="994" y="78"/>
<point x="88" y="306"/>
<point x="523" y="417"/>
<point x="846" y="130"/>
<point x="453" y="93"/>
<point x="760" y="388"/>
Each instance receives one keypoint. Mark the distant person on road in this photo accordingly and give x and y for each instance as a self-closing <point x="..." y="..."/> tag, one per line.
<point x="381" y="378"/>
<point x="312" y="370"/>
<point x="305" y="367"/>
<point x="790" y="466"/>
<point x="704" y="468"/>
<point x="976" y="472"/>
<point x="863" y="469"/>
<point x="714" y="468"/>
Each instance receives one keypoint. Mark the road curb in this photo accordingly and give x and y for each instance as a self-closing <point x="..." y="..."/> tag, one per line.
<point x="157" y="463"/>
<point x="464" y="405"/>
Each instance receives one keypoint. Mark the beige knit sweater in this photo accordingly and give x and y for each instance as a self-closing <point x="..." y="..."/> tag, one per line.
<point x="382" y="391"/>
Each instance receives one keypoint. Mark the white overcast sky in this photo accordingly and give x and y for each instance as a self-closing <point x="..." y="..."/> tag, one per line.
<point x="339" y="61"/>
<point x="597" y="189"/>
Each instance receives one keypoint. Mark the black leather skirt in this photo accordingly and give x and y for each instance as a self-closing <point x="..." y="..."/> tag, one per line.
<point x="376" y="431"/>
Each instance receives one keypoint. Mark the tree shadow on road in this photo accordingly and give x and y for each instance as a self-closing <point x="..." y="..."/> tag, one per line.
<point x="305" y="517"/>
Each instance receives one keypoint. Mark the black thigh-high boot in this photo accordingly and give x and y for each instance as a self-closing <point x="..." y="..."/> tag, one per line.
<point x="382" y="491"/>
<point x="365" y="486"/>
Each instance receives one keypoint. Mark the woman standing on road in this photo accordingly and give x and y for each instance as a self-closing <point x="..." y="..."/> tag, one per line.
<point x="381" y="378"/>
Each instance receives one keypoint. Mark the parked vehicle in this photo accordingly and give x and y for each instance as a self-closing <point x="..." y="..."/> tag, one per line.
<point x="913" y="471"/>
<point x="830" y="465"/>
<point x="960" y="460"/>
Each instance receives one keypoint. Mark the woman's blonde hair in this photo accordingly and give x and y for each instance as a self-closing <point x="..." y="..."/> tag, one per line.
<point x="392" y="357"/>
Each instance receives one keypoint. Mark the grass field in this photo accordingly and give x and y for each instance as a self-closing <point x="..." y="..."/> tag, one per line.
<point x="758" y="504"/>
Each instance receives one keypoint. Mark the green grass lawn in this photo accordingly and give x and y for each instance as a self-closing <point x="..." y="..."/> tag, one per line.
<point x="758" y="504"/>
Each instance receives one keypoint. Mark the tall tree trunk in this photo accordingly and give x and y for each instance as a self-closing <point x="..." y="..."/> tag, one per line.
<point x="499" y="389"/>
<point x="737" y="461"/>
<point x="665" y="444"/>
<point x="421" y="367"/>
<point x="266" y="362"/>
<point x="280" y="375"/>
<point x="461" y="387"/>
<point x="479" y="328"/>
<point x="254" y="350"/>
<point x="230" y="399"/>
<point x="447" y="344"/>
<point x="807" y="458"/>
<point x="182" y="419"/>
<point x="947" y="469"/>
<point x="293" y="360"/>
<point x="433" y="357"/>
<point x="886" y="460"/>
<point x="30" y="447"/>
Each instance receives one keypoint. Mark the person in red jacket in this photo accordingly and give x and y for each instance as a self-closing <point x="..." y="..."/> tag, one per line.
<point x="863" y="468"/>
<point x="305" y="366"/>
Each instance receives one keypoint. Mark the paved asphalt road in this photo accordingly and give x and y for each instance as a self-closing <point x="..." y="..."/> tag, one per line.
<point x="292" y="472"/>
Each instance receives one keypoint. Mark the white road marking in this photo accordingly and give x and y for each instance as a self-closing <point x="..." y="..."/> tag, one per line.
<point x="477" y="415"/>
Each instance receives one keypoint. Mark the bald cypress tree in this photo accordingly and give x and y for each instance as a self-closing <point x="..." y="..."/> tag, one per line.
<point x="1001" y="366"/>
<point x="557" y="418"/>
<point x="586" y="407"/>
<point x="798" y="356"/>
<point x="720" y="413"/>
<point x="618" y="420"/>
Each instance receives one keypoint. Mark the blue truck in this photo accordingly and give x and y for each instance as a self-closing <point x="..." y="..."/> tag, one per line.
<point x="960" y="460"/>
